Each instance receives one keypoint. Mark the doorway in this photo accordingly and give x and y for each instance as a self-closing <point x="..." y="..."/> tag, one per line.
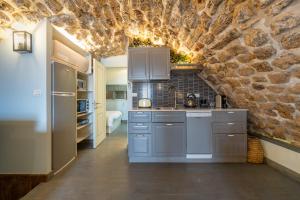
<point x="116" y="99"/>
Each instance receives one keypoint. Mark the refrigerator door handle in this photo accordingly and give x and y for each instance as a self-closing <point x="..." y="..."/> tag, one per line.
<point x="64" y="94"/>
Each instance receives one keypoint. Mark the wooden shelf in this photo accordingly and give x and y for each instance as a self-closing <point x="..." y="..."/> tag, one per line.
<point x="81" y="138"/>
<point x="83" y="73"/>
<point x="84" y="114"/>
<point x="83" y="126"/>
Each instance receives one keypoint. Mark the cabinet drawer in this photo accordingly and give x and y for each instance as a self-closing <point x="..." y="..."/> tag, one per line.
<point x="139" y="128"/>
<point x="229" y="127"/>
<point x="139" y="145"/>
<point x="229" y="116"/>
<point x="139" y="116"/>
<point x="171" y="116"/>
<point x="230" y="145"/>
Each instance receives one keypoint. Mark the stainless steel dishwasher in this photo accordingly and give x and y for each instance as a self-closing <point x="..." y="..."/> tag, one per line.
<point x="199" y="134"/>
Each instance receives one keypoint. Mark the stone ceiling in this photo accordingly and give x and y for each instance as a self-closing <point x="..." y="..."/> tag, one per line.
<point x="250" y="48"/>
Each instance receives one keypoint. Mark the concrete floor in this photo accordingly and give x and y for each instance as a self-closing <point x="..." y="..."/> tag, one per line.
<point x="105" y="174"/>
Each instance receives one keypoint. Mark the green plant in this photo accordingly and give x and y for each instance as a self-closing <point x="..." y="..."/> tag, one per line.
<point x="176" y="58"/>
<point x="179" y="58"/>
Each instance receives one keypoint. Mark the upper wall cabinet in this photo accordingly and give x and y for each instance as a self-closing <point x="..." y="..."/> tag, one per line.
<point x="138" y="67"/>
<point x="159" y="63"/>
<point x="148" y="63"/>
<point x="65" y="51"/>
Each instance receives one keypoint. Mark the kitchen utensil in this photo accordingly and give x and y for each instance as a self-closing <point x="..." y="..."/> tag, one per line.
<point x="190" y="101"/>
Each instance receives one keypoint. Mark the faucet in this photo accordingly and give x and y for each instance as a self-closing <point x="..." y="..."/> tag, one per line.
<point x="175" y="99"/>
<point x="170" y="89"/>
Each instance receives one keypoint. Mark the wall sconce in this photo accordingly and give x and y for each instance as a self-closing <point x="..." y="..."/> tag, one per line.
<point x="22" y="42"/>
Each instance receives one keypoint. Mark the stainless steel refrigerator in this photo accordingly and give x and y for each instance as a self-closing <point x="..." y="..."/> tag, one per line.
<point x="63" y="115"/>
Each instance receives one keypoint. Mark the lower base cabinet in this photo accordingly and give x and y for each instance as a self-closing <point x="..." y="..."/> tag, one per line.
<point x="140" y="145"/>
<point x="230" y="145"/>
<point x="169" y="139"/>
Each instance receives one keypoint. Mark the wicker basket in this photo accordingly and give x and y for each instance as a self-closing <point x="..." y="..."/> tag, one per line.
<point x="255" y="151"/>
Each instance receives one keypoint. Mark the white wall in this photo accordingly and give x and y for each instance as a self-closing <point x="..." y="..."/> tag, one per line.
<point x="285" y="157"/>
<point x="25" y="139"/>
<point x="115" y="61"/>
<point x="116" y="76"/>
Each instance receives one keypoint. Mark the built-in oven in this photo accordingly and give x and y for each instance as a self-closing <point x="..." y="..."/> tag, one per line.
<point x="83" y="105"/>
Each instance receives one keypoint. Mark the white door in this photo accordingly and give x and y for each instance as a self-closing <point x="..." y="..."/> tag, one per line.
<point x="100" y="102"/>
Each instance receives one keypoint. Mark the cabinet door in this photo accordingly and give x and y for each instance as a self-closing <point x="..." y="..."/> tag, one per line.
<point x="159" y="62"/>
<point x="169" y="139"/>
<point x="138" y="68"/>
<point x="139" y="144"/>
<point x="230" y="145"/>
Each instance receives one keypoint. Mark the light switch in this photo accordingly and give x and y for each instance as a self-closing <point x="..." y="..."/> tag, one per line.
<point x="37" y="93"/>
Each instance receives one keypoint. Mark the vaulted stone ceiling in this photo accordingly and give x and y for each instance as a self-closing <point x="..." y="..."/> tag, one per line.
<point x="250" y="48"/>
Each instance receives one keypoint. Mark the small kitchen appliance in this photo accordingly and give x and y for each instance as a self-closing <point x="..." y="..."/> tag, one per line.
<point x="82" y="105"/>
<point x="145" y="103"/>
<point x="190" y="101"/>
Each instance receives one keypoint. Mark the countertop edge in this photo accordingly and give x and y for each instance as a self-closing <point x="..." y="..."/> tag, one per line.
<point x="185" y="110"/>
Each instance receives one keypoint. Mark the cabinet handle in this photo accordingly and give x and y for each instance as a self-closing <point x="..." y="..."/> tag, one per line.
<point x="142" y="116"/>
<point x="230" y="123"/>
<point x="140" y="126"/>
<point x="139" y="112"/>
<point x="169" y="124"/>
<point x="230" y="135"/>
<point x="230" y="112"/>
<point x="140" y="135"/>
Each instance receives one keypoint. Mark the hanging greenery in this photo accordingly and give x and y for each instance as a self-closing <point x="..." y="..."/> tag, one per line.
<point x="179" y="58"/>
<point x="175" y="58"/>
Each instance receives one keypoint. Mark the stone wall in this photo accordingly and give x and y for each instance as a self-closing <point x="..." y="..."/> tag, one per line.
<point x="250" y="48"/>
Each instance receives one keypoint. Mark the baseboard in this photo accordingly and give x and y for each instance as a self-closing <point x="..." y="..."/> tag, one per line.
<point x="15" y="186"/>
<point x="282" y="169"/>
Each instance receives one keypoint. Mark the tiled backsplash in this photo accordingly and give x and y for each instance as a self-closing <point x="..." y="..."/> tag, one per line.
<point x="162" y="93"/>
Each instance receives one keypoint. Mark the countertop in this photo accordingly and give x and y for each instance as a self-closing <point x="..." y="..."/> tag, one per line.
<point x="187" y="109"/>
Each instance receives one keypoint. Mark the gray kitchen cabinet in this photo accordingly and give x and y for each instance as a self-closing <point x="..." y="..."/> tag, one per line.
<point x="138" y="64"/>
<point x="230" y="145"/>
<point x="230" y="116"/>
<point x="159" y="63"/>
<point x="139" y="134"/>
<point x="139" y="116"/>
<point x="165" y="116"/>
<point x="139" y="145"/>
<point x="169" y="139"/>
<point x="230" y="127"/>
<point x="230" y="136"/>
<point x="139" y="127"/>
<point x="148" y="63"/>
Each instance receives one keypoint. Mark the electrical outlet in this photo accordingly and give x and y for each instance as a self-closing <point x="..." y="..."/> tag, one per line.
<point x="134" y="94"/>
<point x="36" y="93"/>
